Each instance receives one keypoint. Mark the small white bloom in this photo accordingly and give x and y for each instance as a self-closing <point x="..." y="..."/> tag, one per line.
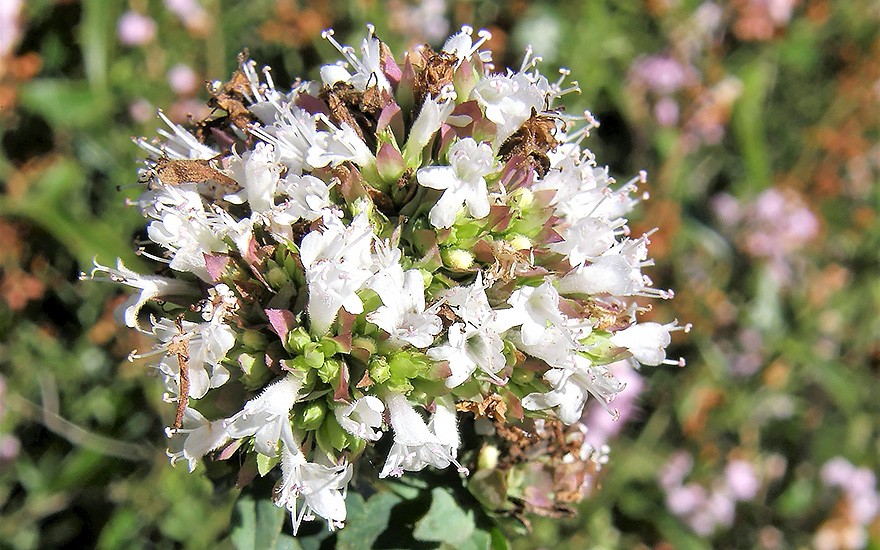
<point x="470" y="303"/>
<point x="368" y="68"/>
<point x="207" y="345"/>
<point x="535" y="309"/>
<point x="258" y="173"/>
<point x="337" y="146"/>
<point x="415" y="445"/>
<point x="508" y="102"/>
<point x="571" y="386"/>
<point x="618" y="273"/>
<point x="267" y="416"/>
<point x="180" y="144"/>
<point x="363" y="418"/>
<point x="433" y="114"/>
<point x="587" y="239"/>
<point x="444" y="425"/>
<point x="308" y="198"/>
<point x="463" y="181"/>
<point x="195" y="438"/>
<point x="468" y="348"/>
<point x="338" y="263"/>
<point x="463" y="46"/>
<point x="293" y="134"/>
<point x="151" y="287"/>
<point x="403" y="314"/>
<point x="647" y="342"/>
<point x="183" y="227"/>
<point x="321" y="486"/>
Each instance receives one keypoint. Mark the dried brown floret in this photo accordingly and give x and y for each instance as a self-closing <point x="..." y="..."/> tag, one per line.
<point x="438" y="72"/>
<point x="493" y="406"/>
<point x="232" y="97"/>
<point x="360" y="110"/>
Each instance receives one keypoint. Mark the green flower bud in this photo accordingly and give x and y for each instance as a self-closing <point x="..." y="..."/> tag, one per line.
<point x="311" y="416"/>
<point x="379" y="369"/>
<point x="329" y="369"/>
<point x="297" y="339"/>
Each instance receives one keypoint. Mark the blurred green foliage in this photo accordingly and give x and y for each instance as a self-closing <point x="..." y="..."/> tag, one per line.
<point x="783" y="362"/>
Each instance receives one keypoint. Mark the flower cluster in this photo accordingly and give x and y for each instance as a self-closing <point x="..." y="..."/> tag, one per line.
<point x="392" y="248"/>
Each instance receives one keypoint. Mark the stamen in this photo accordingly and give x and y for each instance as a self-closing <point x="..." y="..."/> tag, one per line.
<point x="484" y="36"/>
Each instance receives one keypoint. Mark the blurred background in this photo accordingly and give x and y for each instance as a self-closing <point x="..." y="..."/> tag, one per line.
<point x="758" y="122"/>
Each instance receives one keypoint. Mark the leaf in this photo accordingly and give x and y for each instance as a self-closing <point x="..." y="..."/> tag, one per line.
<point x="366" y="520"/>
<point x="256" y="524"/>
<point x="64" y="103"/>
<point x="265" y="464"/>
<point x="445" y="521"/>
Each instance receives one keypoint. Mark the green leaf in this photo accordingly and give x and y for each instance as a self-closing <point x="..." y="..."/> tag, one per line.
<point x="265" y="464"/>
<point x="366" y="520"/>
<point x="66" y="104"/>
<point x="256" y="524"/>
<point x="445" y="521"/>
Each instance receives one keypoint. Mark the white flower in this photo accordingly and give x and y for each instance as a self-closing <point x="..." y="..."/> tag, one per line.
<point x="368" y="69"/>
<point x="444" y="425"/>
<point x="362" y="418"/>
<point x="534" y="308"/>
<point x="463" y="181"/>
<point x="258" y="174"/>
<point x="180" y="144"/>
<point x="470" y="303"/>
<point x="468" y="348"/>
<point x="183" y="227"/>
<point x="415" y="445"/>
<point x="337" y="146"/>
<point x="556" y="345"/>
<point x="587" y="239"/>
<point x="321" y="486"/>
<point x="463" y="46"/>
<point x="618" y="273"/>
<point x="508" y="102"/>
<point x="432" y="115"/>
<point x="308" y="197"/>
<point x="571" y="387"/>
<point x="151" y="287"/>
<point x="195" y="438"/>
<point x="267" y="416"/>
<point x="647" y="342"/>
<point x="293" y="135"/>
<point x="337" y="262"/>
<point x="403" y="314"/>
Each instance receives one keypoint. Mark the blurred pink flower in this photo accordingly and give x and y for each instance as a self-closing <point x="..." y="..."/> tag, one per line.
<point x="182" y="79"/>
<point x="662" y="74"/>
<point x="135" y="29"/>
<point x="190" y="13"/>
<point x="10" y="25"/>
<point x="666" y="112"/>
<point x="141" y="111"/>
<point x="741" y="479"/>
<point x="425" y="21"/>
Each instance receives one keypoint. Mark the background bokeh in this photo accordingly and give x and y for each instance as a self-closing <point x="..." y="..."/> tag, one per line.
<point x="758" y="122"/>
